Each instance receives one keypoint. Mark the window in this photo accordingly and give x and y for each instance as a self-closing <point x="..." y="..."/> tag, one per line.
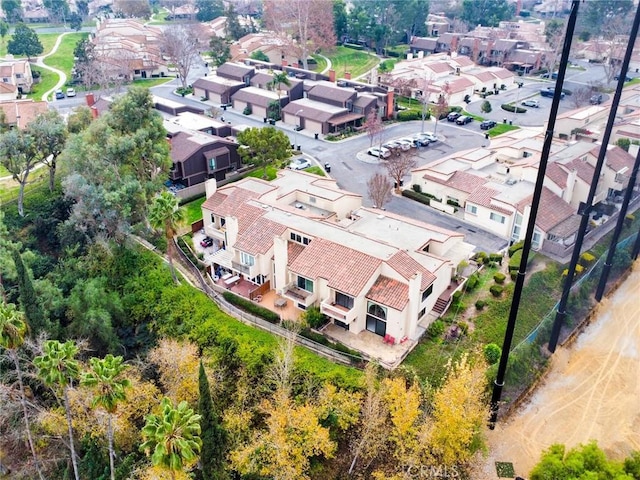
<point x="497" y="218"/>
<point x="305" y="284"/>
<point x="296" y="237"/>
<point x="344" y="300"/>
<point x="312" y="199"/>
<point x="536" y="240"/>
<point x="472" y="209"/>
<point x="426" y="248"/>
<point x="427" y="292"/>
<point x="377" y="319"/>
<point x="247" y="260"/>
<point x="212" y="163"/>
<point x="421" y="313"/>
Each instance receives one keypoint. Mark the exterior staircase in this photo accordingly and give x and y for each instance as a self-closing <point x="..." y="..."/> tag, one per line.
<point x="441" y="305"/>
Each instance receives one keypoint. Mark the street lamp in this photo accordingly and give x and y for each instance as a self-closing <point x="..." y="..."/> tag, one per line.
<point x="295" y="130"/>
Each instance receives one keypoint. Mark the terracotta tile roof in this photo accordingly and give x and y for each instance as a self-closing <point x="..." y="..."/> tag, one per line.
<point x="389" y="292"/>
<point x="7" y="87"/>
<point x="460" y="85"/>
<point x="556" y="174"/>
<point x="583" y="169"/>
<point x="344" y="268"/>
<point x="247" y="214"/>
<point x="293" y="250"/>
<point x="406" y="266"/>
<point x="230" y="203"/>
<point x="617" y="158"/>
<point x="465" y="182"/>
<point x="483" y="196"/>
<point x="440" y="67"/>
<point x="258" y="237"/>
<point x="552" y="210"/>
<point x="502" y="73"/>
<point x="22" y="112"/>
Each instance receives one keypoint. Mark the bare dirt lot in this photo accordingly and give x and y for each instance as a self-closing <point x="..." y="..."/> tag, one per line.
<point x="591" y="392"/>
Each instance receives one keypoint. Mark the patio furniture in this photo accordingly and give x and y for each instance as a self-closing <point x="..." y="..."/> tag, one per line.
<point x="227" y="275"/>
<point x="232" y="280"/>
<point x="258" y="298"/>
<point x="280" y="303"/>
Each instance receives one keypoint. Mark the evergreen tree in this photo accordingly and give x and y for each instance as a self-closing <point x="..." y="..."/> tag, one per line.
<point x="213" y="434"/>
<point x="28" y="301"/>
<point x="25" y="41"/>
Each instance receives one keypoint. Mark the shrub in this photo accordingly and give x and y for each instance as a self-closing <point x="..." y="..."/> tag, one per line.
<point x="492" y="353"/>
<point x="496" y="290"/>
<point x="314" y="318"/>
<point x="512" y="108"/>
<point x="514" y="262"/>
<point x="480" y="257"/>
<point x="418" y="197"/>
<point x="472" y="282"/>
<point x="496" y="257"/>
<point x="416" y="188"/>
<point x="624" y="143"/>
<point x="453" y="203"/>
<point x="629" y="218"/>
<point x="461" y="266"/>
<point x="251" y="307"/>
<point x="486" y="106"/>
<point x="407" y="115"/>
<point x="515" y="247"/>
<point x="480" y="304"/>
<point x="247" y="110"/>
<point x="499" y="277"/>
<point x="457" y="295"/>
<point x="587" y="259"/>
<point x="436" y="329"/>
<point x="464" y="327"/>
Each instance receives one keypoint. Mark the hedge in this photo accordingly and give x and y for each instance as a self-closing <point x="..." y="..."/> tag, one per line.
<point x="251" y="307"/>
<point x="418" y="197"/>
<point x="322" y="340"/>
<point x="499" y="277"/>
<point x="514" y="262"/>
<point x="496" y="257"/>
<point x="515" y="247"/>
<point x="436" y="329"/>
<point x="407" y="115"/>
<point x="481" y="257"/>
<point x="472" y="282"/>
<point x="496" y="290"/>
<point x="512" y="108"/>
<point x="480" y="304"/>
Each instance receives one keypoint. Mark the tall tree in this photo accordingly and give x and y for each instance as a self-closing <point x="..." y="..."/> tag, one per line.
<point x="13" y="330"/>
<point x="105" y="377"/>
<point x="279" y="78"/>
<point x="12" y="9"/>
<point x="209" y="9"/>
<point x="340" y="19"/>
<point x="596" y="13"/>
<point x="50" y="134"/>
<point x="379" y="189"/>
<point x="59" y="369"/>
<point x="28" y="300"/>
<point x="24" y="41"/>
<point x="172" y="438"/>
<point x="79" y="119"/>
<point x="58" y="9"/>
<point x="213" y="434"/>
<point x="18" y="154"/>
<point x="181" y="46"/>
<point x="400" y="164"/>
<point x="132" y="8"/>
<point x="373" y="126"/>
<point x="263" y="147"/>
<point x="306" y="26"/>
<point x="234" y="30"/>
<point x="219" y="50"/>
<point x="4" y="29"/>
<point x="411" y="17"/>
<point x="487" y="13"/>
<point x="165" y="214"/>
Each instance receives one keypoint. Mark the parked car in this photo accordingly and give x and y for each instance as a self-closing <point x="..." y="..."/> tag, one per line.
<point x="421" y="140"/>
<point x="59" y="94"/>
<point x="206" y="242"/>
<point x="405" y="144"/>
<point x="554" y="75"/>
<point x="453" y="116"/>
<point x="531" y="103"/>
<point x="463" y="120"/>
<point x="627" y="78"/>
<point x="379" y="152"/>
<point x="430" y="136"/>
<point x="299" y="164"/>
<point x="487" y="124"/>
<point x="549" y="92"/>
<point x="71" y="92"/>
<point x="596" y="99"/>
<point x="391" y="145"/>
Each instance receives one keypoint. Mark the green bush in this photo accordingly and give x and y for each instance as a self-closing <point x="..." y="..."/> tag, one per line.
<point x="492" y="353"/>
<point x="464" y="328"/>
<point x="251" y="307"/>
<point x="499" y="277"/>
<point x="457" y="295"/>
<point x="472" y="282"/>
<point x="418" y="197"/>
<point x="486" y="106"/>
<point x="512" y="108"/>
<point x="514" y="262"/>
<point x="247" y="110"/>
<point x="496" y="290"/>
<point x="408" y="115"/>
<point x="314" y="318"/>
<point x="496" y="257"/>
<point x="416" y="188"/>
<point x="480" y="257"/>
<point x="587" y="259"/>
<point x="515" y="247"/>
<point x="480" y="304"/>
<point x="436" y="329"/>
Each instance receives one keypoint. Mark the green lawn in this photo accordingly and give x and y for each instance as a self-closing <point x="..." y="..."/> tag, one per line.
<point x="321" y="63"/>
<point x="152" y="82"/>
<point x="48" y="80"/>
<point x="345" y="59"/>
<point x="160" y="18"/>
<point x="62" y="59"/>
<point x="193" y="210"/>
<point x="502" y="128"/>
<point x="9" y="189"/>
<point x="4" y="172"/>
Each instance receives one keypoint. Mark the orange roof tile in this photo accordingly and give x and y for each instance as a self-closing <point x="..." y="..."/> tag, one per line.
<point x="293" y="250"/>
<point x="229" y="204"/>
<point x="389" y="292"/>
<point x="552" y="210"/>
<point x="556" y="174"/>
<point x="345" y="269"/>
<point x="483" y="196"/>
<point x="258" y="237"/>
<point x="406" y="266"/>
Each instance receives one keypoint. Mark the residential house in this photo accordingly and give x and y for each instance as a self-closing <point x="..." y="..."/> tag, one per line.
<point x="216" y="89"/>
<point x="370" y="272"/>
<point x="18" y="74"/>
<point x="130" y="48"/>
<point x="19" y="113"/>
<point x="8" y="92"/>
<point x="423" y="44"/>
<point x="257" y="101"/>
<point x="437" y="24"/>
<point x="582" y="123"/>
<point x="263" y="80"/>
<point x="236" y="72"/>
<point x="197" y="157"/>
<point x="172" y="107"/>
<point x="197" y="122"/>
<point x="187" y="11"/>
<point x="36" y="15"/>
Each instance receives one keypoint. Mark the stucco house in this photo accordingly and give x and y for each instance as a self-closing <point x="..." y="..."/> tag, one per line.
<point x="19" y="113"/>
<point x="16" y="73"/>
<point x="316" y="245"/>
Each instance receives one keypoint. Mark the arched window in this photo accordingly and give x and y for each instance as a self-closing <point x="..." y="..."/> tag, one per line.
<point x="377" y="319"/>
<point x="377" y="311"/>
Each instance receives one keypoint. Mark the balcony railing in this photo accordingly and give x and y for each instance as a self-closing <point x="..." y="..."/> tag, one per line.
<point x="338" y="312"/>
<point x="298" y="295"/>
<point x="213" y="232"/>
<point x="241" y="268"/>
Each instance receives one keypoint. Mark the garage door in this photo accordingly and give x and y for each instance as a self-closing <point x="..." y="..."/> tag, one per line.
<point x="199" y="92"/>
<point x="259" y="111"/>
<point x="313" y="127"/>
<point x="238" y="105"/>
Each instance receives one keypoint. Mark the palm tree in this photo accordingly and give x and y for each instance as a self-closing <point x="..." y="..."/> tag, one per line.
<point x="58" y="368"/>
<point x="13" y="330"/>
<point x="105" y="377"/>
<point x="173" y="437"/>
<point x="165" y="214"/>
<point x="279" y="79"/>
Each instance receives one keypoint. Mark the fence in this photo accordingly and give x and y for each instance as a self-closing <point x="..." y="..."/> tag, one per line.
<point x="214" y="292"/>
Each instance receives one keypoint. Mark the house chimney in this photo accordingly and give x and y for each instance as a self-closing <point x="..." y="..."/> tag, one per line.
<point x="94" y="112"/>
<point x="90" y="99"/>
<point x="390" y="102"/>
<point x="284" y="63"/>
<point x="347" y="75"/>
<point x="332" y="75"/>
<point x="296" y="65"/>
<point x="210" y="187"/>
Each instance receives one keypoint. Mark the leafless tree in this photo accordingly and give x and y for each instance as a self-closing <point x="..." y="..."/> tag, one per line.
<point x="442" y="105"/>
<point x="400" y="164"/>
<point x="379" y="189"/>
<point x="181" y="47"/>
<point x="373" y="126"/>
<point x="580" y="97"/>
<point x="611" y="45"/>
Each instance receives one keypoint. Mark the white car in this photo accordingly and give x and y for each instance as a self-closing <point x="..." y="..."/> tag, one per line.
<point x="391" y="145"/>
<point x="379" y="152"/>
<point x="411" y="141"/>
<point x="299" y="164"/>
<point x="430" y="136"/>
<point x="71" y="92"/>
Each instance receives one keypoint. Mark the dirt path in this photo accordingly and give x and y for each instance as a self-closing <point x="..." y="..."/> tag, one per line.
<point x="591" y="392"/>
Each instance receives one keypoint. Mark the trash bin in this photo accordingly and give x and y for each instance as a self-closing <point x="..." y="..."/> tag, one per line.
<point x="264" y="119"/>
<point x="486" y="136"/>
<point x="510" y="122"/>
<point x="327" y="166"/>
<point x="504" y="120"/>
<point x="298" y="147"/>
<point x="315" y="135"/>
